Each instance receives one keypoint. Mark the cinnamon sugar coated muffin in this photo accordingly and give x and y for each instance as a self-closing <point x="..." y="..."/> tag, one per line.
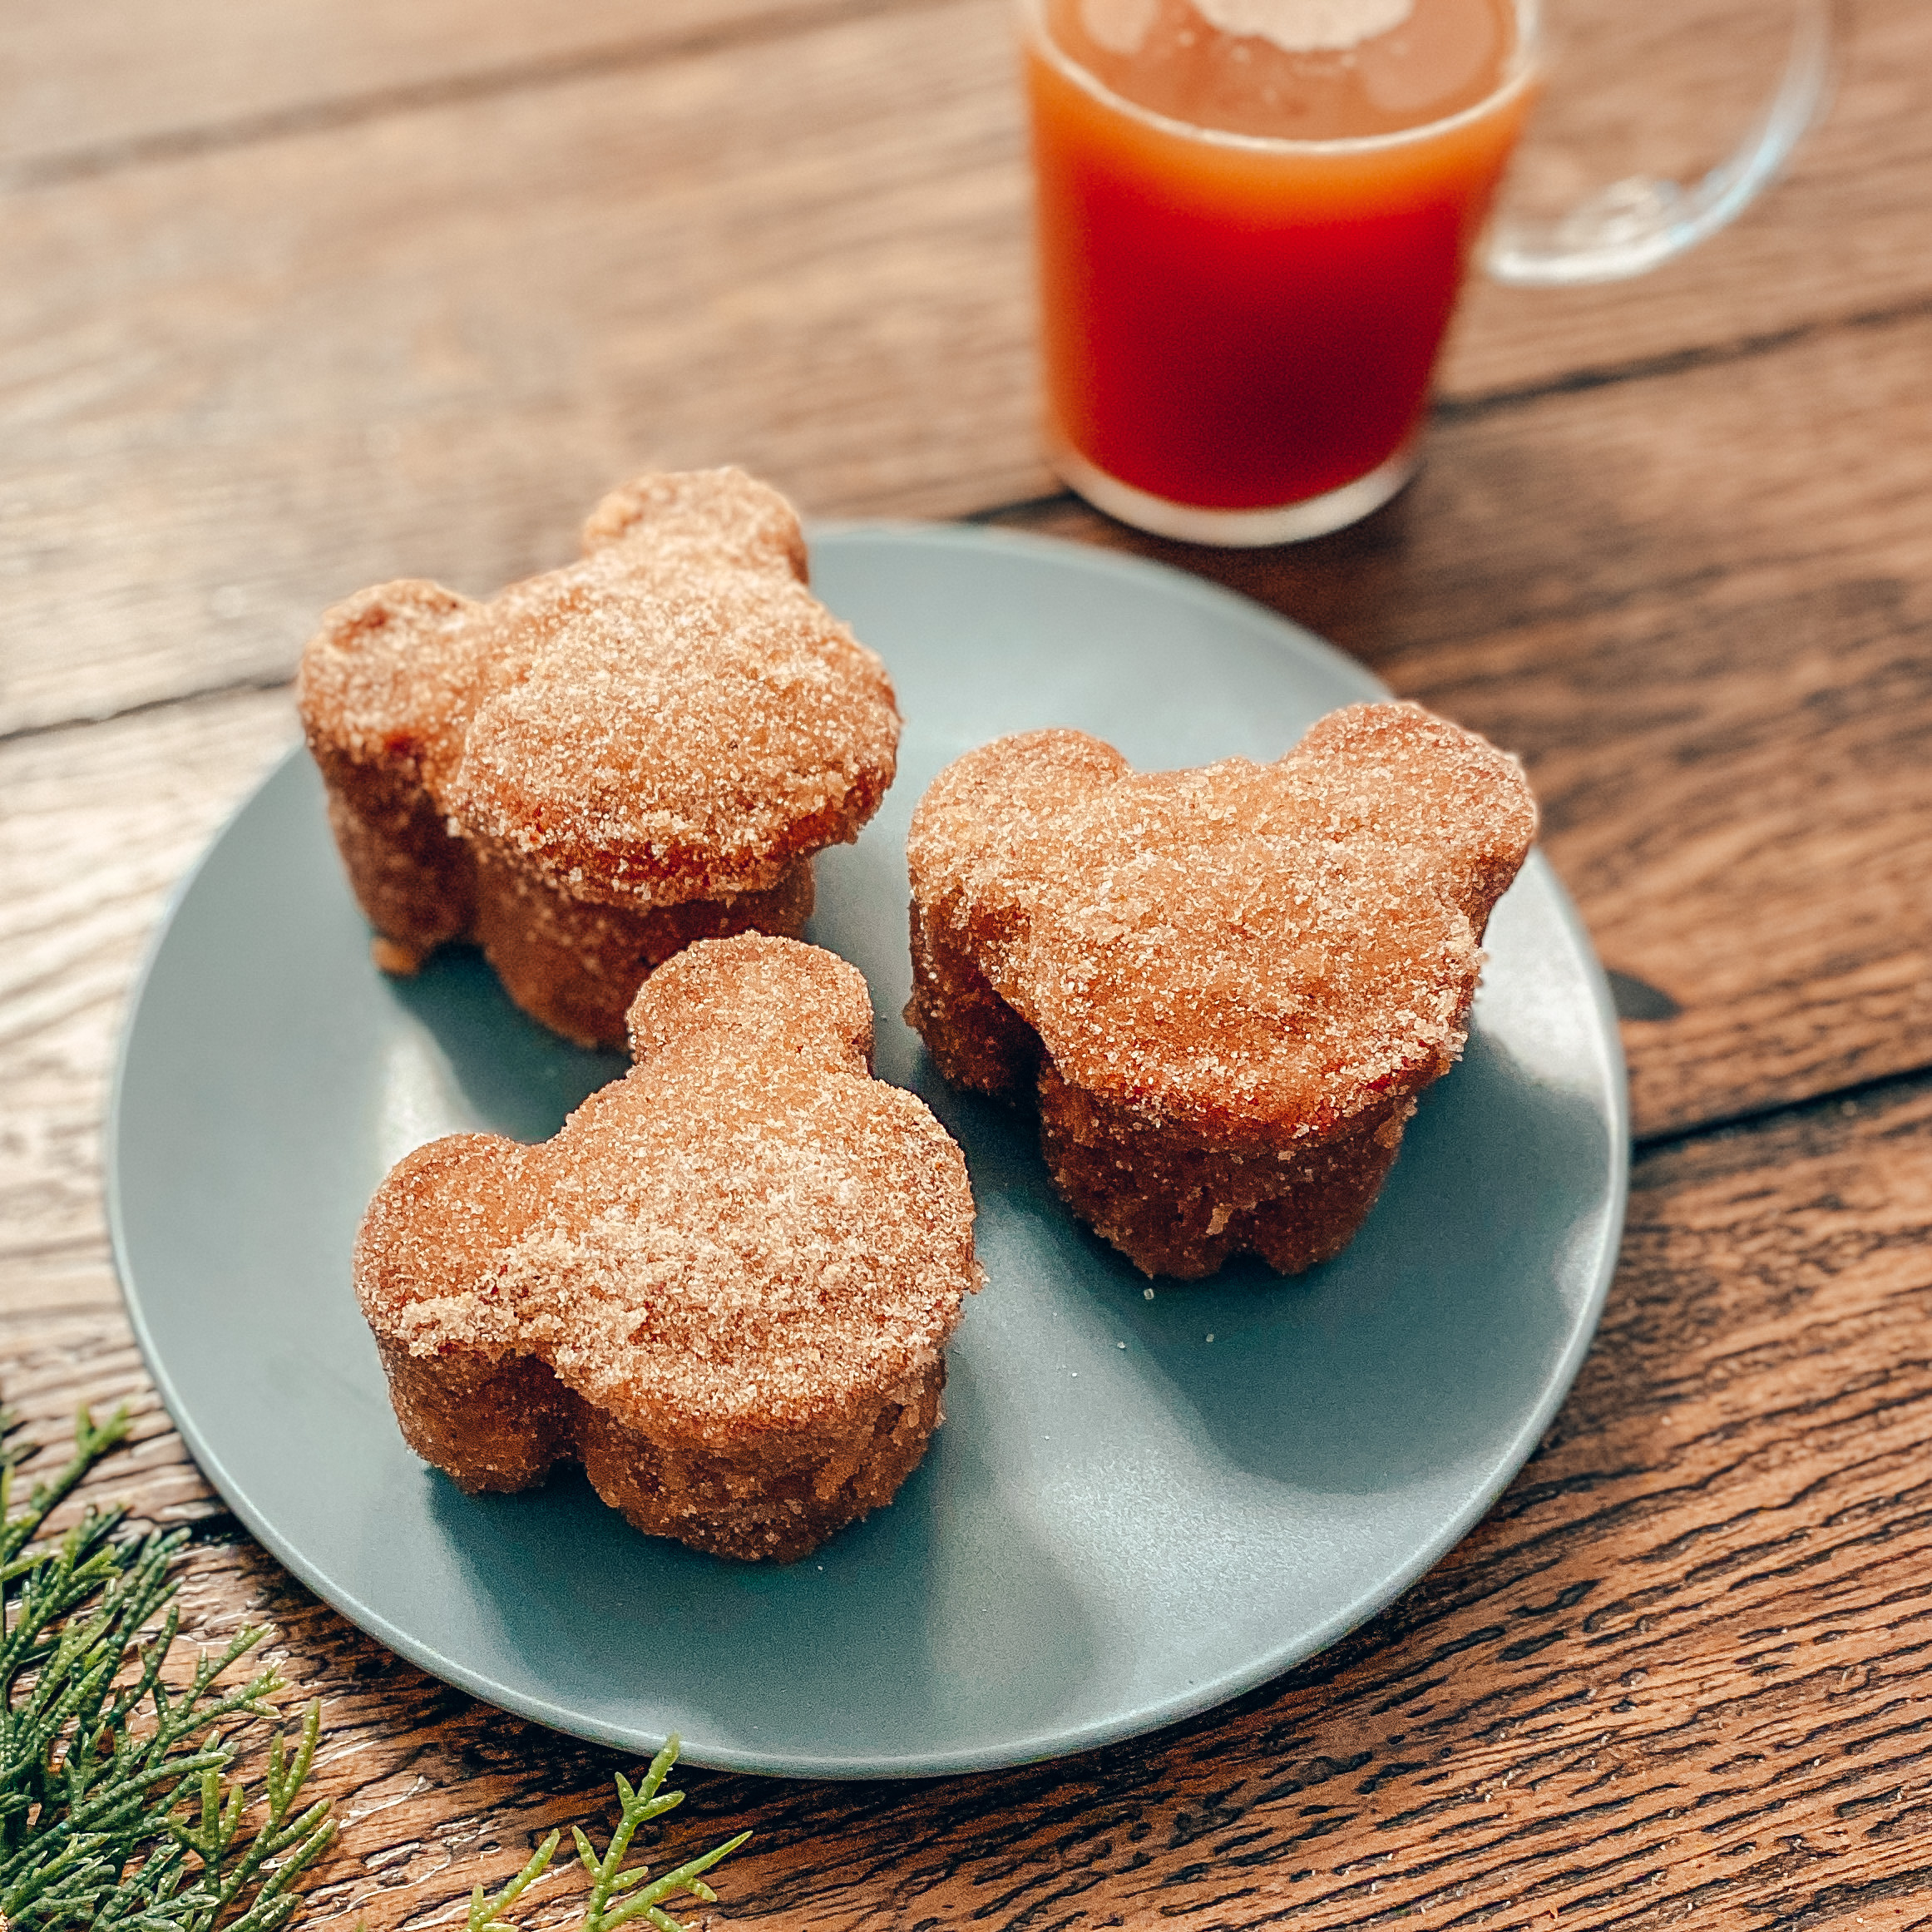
<point x="601" y="764"/>
<point x="725" y="1287"/>
<point x="1227" y="985"/>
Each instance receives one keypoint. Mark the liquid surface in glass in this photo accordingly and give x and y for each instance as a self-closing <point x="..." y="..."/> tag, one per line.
<point x="1296" y="70"/>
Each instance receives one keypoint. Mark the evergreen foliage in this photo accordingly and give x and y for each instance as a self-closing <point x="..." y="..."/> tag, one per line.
<point x="114" y="1810"/>
<point x="608" y="1880"/>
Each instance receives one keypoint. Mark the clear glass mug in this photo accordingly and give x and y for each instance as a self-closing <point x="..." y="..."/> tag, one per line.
<point x="1239" y="331"/>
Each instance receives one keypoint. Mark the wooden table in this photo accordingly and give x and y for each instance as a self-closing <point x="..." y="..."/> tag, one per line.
<point x="302" y="296"/>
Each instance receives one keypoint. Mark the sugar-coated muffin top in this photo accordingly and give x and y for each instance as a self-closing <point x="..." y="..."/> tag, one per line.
<point x="672" y="717"/>
<point x="1238" y="950"/>
<point x="746" y="1231"/>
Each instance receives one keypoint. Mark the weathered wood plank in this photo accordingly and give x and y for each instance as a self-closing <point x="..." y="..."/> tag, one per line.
<point x="1680" y="1666"/>
<point x="1680" y="1673"/>
<point x="1700" y="609"/>
<point x="1812" y="251"/>
<point x="238" y="384"/>
<point x="96" y="826"/>
<point x="241" y="385"/>
<point x="91" y="88"/>
<point x="1618" y="591"/>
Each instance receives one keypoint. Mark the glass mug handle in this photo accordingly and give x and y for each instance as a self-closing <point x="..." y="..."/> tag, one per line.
<point x="1637" y="223"/>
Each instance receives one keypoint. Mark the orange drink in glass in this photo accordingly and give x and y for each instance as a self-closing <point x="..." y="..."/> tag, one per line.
<point x="1250" y="247"/>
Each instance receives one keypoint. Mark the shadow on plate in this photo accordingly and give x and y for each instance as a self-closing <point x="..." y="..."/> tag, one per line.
<point x="901" y="1625"/>
<point x="521" y="1078"/>
<point x="1410" y="1351"/>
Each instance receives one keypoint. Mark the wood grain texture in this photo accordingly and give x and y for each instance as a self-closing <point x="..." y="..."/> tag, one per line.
<point x="311" y="298"/>
<point x="97" y="826"/>
<point x="426" y="344"/>
<point x="235" y="386"/>
<point x="1679" y="1675"/>
<point x="1822" y="246"/>
<point x="1680" y="1670"/>
<point x="1701" y="608"/>
<point x="89" y="90"/>
<point x="1696" y="580"/>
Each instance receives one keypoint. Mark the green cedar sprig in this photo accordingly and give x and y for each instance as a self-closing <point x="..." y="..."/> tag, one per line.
<point x="95" y="1752"/>
<point x="639" y="1804"/>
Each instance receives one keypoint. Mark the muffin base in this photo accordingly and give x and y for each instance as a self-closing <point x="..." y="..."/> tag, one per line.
<point x="776" y="1494"/>
<point x="1170" y="1203"/>
<point x="572" y="963"/>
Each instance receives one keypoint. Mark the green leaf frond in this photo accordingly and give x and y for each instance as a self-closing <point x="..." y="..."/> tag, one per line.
<point x="638" y="1805"/>
<point x="117" y="1810"/>
<point x="486" y="1914"/>
<point x="97" y="1755"/>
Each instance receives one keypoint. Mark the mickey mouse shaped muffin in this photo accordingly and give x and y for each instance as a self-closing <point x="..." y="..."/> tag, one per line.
<point x="1229" y="985"/>
<point x="725" y="1287"/>
<point x="600" y="764"/>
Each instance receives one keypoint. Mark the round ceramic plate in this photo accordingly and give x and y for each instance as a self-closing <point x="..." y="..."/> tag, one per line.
<point x="1137" y="1506"/>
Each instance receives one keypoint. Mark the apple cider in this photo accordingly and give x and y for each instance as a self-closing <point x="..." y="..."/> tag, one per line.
<point x="1254" y="216"/>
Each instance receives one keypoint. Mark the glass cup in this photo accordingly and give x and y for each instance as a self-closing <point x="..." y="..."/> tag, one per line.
<point x="1239" y="330"/>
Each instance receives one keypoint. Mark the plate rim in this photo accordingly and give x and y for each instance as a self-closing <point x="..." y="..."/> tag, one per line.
<point x="1040" y="1746"/>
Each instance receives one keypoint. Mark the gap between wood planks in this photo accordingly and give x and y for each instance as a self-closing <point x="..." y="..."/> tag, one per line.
<point x="1484" y="402"/>
<point x="517" y="76"/>
<point x="1021" y="510"/>
<point x="235" y="688"/>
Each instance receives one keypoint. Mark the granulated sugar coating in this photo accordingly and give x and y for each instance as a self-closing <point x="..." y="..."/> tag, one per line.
<point x="602" y="763"/>
<point x="1229" y="984"/>
<point x="724" y="1286"/>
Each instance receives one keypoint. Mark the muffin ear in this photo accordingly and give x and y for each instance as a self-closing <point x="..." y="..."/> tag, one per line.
<point x="383" y="668"/>
<point x="723" y="516"/>
<point x="994" y="803"/>
<point x="793" y="1005"/>
<point x="439" y="1229"/>
<point x="1455" y="794"/>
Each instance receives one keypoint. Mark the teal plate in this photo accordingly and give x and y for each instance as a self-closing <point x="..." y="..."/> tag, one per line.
<point x="1136" y="1509"/>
